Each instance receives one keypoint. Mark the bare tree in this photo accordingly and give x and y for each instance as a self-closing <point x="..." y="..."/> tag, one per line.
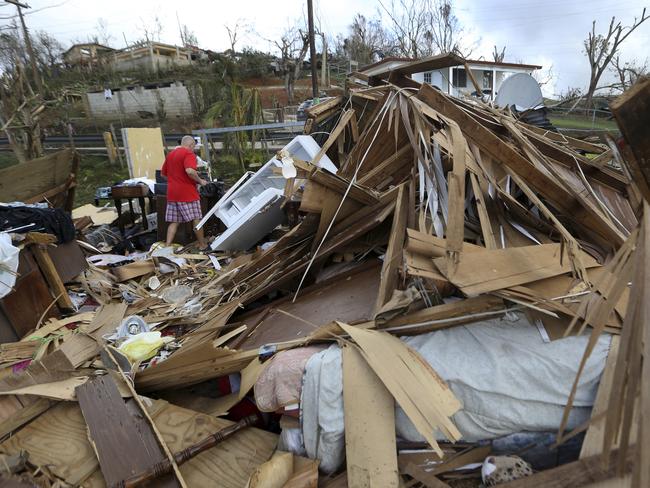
<point x="49" y="50"/>
<point x="188" y="37"/>
<point x="19" y="114"/>
<point x="235" y="32"/>
<point x="602" y="48"/>
<point x="425" y="27"/>
<point x="102" y="35"/>
<point x="367" y="41"/>
<point x="499" y="56"/>
<point x="151" y="30"/>
<point x="543" y="77"/>
<point x="627" y="72"/>
<point x="446" y="30"/>
<point x="293" y="46"/>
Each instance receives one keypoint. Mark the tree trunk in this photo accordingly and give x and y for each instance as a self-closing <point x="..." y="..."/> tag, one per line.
<point x="590" y="95"/>
<point x="18" y="150"/>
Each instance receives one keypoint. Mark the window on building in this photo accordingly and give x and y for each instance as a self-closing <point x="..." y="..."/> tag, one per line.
<point x="427" y="77"/>
<point x="487" y="80"/>
<point x="459" y="78"/>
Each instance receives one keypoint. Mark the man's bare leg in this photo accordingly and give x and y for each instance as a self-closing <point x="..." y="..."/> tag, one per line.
<point x="199" y="235"/>
<point x="171" y="233"/>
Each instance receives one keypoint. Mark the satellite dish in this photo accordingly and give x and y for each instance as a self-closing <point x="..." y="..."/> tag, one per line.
<point x="520" y="90"/>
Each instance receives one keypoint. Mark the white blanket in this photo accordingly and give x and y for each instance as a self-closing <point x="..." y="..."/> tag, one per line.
<point x="507" y="378"/>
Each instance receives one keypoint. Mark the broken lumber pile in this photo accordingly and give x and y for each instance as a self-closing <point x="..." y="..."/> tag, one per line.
<point x="454" y="284"/>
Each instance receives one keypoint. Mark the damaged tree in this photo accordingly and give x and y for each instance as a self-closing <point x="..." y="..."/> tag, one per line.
<point x="293" y="46"/>
<point x="602" y="48"/>
<point x="19" y="115"/>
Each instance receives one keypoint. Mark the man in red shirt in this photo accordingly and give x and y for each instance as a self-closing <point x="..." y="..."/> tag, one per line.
<point x="183" y="201"/>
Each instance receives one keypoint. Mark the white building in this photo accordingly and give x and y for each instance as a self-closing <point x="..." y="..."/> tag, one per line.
<point x="451" y="78"/>
<point x="488" y="74"/>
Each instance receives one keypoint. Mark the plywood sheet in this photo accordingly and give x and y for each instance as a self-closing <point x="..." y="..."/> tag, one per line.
<point x="99" y="215"/>
<point x="144" y="151"/>
<point x="230" y="463"/>
<point x="370" y="448"/>
<point x="57" y="438"/>
<point x="24" y="181"/>
<point x="349" y="298"/>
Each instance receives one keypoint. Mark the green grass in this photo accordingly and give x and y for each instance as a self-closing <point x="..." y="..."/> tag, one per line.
<point x="577" y="122"/>
<point x="96" y="171"/>
<point x="7" y="159"/>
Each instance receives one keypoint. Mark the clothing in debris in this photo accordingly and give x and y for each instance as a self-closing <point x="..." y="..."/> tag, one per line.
<point x="49" y="220"/>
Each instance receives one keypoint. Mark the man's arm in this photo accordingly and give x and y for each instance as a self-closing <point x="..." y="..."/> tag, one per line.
<point x="191" y="172"/>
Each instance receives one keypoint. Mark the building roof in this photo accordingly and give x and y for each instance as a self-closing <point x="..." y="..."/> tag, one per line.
<point x="88" y="44"/>
<point x="408" y="66"/>
<point x="505" y="65"/>
<point x="386" y="60"/>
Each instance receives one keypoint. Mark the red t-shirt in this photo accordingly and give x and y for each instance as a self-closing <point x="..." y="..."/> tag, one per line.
<point x="180" y="187"/>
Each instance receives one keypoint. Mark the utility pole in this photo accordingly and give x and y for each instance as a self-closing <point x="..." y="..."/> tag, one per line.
<point x="312" y="49"/>
<point x="28" y="44"/>
<point x="323" y="65"/>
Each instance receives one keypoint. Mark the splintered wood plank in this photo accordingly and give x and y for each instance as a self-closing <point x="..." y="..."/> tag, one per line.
<point x="593" y="443"/>
<point x="423" y="395"/>
<point x="58" y="439"/>
<point x="22" y="414"/>
<point x="495" y="269"/>
<point x="84" y="346"/>
<point x="456" y="178"/>
<point x="517" y="164"/>
<point x="370" y="446"/>
<point x="393" y="257"/>
<point x="334" y="135"/>
<point x="228" y="464"/>
<point x="52" y="277"/>
<point x="124" y="442"/>
<point x="632" y="112"/>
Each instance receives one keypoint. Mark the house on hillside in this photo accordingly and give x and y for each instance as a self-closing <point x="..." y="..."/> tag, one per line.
<point x="87" y="54"/>
<point x="452" y="77"/>
<point x="152" y="56"/>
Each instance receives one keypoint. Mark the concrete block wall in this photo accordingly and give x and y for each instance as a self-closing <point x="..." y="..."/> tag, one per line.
<point x="175" y="100"/>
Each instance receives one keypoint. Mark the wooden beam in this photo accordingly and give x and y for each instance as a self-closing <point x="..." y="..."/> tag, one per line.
<point x="370" y="447"/>
<point x="334" y="135"/>
<point x="632" y="112"/>
<point x="52" y="276"/>
<point x="393" y="258"/>
<point x="473" y="80"/>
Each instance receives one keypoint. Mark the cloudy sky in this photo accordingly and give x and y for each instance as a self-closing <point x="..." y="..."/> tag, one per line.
<point x="545" y="32"/>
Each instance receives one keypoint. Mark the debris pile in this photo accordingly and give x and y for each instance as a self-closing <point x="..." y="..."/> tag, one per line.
<point x="435" y="309"/>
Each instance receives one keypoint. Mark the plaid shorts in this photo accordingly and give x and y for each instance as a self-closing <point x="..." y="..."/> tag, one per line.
<point x="183" y="211"/>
